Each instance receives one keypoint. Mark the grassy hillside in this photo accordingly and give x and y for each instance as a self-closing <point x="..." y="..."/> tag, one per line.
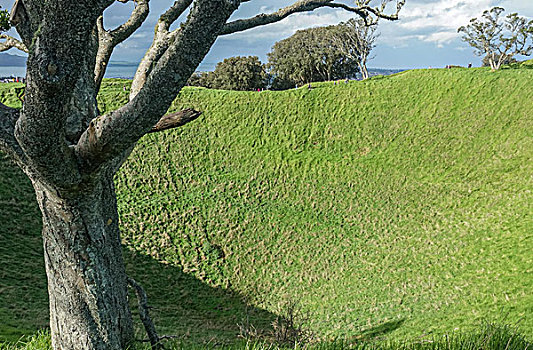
<point x="399" y="206"/>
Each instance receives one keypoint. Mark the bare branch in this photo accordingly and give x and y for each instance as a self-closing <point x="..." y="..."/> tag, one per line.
<point x="10" y="43"/>
<point x="362" y="9"/>
<point x="108" y="40"/>
<point x="162" y="39"/>
<point x="144" y="314"/>
<point x="137" y="17"/>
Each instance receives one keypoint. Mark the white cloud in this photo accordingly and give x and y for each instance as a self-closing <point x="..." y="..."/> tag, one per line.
<point x="440" y="37"/>
<point x="437" y="21"/>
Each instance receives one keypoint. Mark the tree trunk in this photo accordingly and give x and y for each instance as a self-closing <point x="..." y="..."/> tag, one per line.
<point x="365" y="72"/>
<point x="363" y="68"/>
<point x="86" y="277"/>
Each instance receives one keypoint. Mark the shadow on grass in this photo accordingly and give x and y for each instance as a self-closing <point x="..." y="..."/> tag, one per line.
<point x="381" y="330"/>
<point x="23" y="291"/>
<point x="182" y="304"/>
<point x="187" y="307"/>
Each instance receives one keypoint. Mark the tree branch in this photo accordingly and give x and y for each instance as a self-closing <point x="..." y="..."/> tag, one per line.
<point x="10" y="43"/>
<point x="162" y="39"/>
<point x="137" y="17"/>
<point x="144" y="314"/>
<point x="362" y="9"/>
<point x="108" y="136"/>
<point x="108" y="40"/>
<point x="20" y="20"/>
<point x="175" y="120"/>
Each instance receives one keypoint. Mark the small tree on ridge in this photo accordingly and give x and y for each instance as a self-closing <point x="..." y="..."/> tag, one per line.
<point x="310" y="55"/>
<point x="499" y="39"/>
<point x="355" y="39"/>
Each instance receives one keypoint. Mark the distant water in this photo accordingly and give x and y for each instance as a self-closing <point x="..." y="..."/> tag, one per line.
<point x="113" y="71"/>
<point x="12" y="71"/>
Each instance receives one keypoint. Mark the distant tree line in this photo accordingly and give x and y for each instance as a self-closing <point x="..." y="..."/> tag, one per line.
<point x="311" y="55"/>
<point x="342" y="51"/>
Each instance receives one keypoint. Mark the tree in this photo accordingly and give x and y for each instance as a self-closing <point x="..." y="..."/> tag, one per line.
<point x="499" y="39"/>
<point x="4" y="20"/>
<point x="199" y="79"/>
<point x="309" y="55"/>
<point x="8" y="42"/>
<point x="70" y="151"/>
<point x="235" y="73"/>
<point x="355" y="39"/>
<point x="486" y="62"/>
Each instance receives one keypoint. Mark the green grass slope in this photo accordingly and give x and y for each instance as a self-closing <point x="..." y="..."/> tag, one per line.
<point x="399" y="206"/>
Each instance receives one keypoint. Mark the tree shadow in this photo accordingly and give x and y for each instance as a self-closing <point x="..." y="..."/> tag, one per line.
<point x="181" y="304"/>
<point x="186" y="307"/>
<point x="381" y="330"/>
<point x="23" y="291"/>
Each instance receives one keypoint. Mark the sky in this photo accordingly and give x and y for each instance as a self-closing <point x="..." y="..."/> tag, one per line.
<point x="425" y="36"/>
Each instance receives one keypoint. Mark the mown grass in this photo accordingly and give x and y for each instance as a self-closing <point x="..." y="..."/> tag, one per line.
<point x="489" y="337"/>
<point x="401" y="204"/>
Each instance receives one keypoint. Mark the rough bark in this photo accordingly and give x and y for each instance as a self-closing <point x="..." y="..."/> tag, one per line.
<point x="61" y="43"/>
<point x="86" y="279"/>
<point x="83" y="106"/>
<point x="8" y="143"/>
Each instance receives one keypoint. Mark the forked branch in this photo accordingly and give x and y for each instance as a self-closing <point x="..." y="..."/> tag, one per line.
<point x="163" y="37"/>
<point x="109" y="39"/>
<point x="109" y="136"/>
<point x="144" y="314"/>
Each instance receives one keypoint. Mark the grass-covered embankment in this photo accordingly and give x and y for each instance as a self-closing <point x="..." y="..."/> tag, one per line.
<point x="399" y="206"/>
